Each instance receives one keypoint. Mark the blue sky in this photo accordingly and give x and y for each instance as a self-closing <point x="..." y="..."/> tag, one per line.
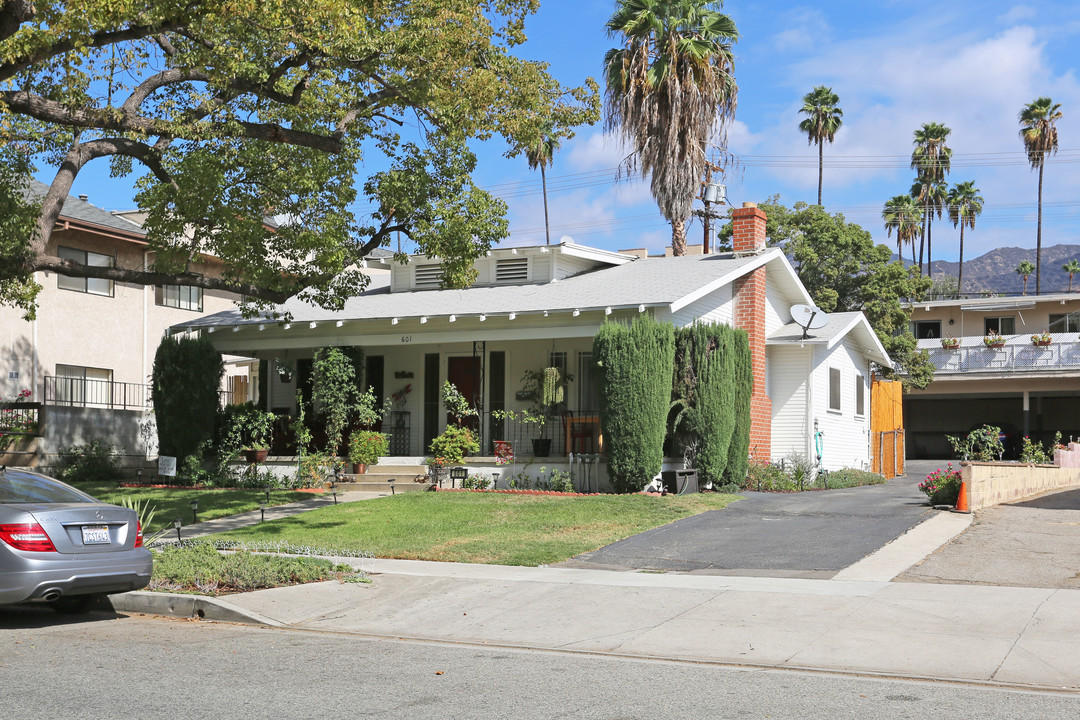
<point x="894" y="65"/>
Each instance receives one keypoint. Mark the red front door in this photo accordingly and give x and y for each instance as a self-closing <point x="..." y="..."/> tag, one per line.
<point x="464" y="374"/>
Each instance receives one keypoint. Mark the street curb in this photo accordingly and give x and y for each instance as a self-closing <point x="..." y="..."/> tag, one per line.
<point x="187" y="606"/>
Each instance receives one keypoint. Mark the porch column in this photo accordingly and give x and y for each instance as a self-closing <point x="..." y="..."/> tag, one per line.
<point x="1027" y="414"/>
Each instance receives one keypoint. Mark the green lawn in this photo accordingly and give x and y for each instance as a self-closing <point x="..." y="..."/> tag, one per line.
<point x="492" y="528"/>
<point x="172" y="503"/>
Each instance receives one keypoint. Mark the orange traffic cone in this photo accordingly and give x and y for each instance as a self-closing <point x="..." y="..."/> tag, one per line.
<point x="962" y="500"/>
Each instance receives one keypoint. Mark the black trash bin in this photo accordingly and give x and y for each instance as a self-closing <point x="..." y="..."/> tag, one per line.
<point x="680" y="482"/>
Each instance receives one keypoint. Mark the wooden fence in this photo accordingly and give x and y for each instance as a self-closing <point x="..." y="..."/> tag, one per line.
<point x="887" y="427"/>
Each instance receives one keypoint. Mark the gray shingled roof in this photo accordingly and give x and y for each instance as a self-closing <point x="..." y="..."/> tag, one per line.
<point x="840" y="325"/>
<point x="651" y="282"/>
<point x="82" y="211"/>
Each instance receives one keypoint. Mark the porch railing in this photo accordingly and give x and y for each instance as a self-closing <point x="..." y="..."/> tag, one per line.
<point x="581" y="428"/>
<point x="20" y="419"/>
<point x="83" y="392"/>
<point x="1018" y="354"/>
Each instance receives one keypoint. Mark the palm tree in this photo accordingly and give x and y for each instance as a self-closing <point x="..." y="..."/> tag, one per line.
<point x="902" y="214"/>
<point x="668" y="89"/>
<point x="540" y="155"/>
<point x="965" y="204"/>
<point x="1040" y="137"/>
<point x="821" y="123"/>
<point x="1024" y="269"/>
<point x="932" y="197"/>
<point x="930" y="159"/>
<point x="1072" y="267"/>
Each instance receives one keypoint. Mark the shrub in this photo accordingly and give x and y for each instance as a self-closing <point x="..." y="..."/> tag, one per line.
<point x="333" y="389"/>
<point x="367" y="446"/>
<point x="1033" y="452"/>
<point x="742" y="380"/>
<point x="767" y="476"/>
<point x="186" y="377"/>
<point x="635" y="363"/>
<point x="475" y="481"/>
<point x="849" y="477"/>
<point x="91" y="462"/>
<point x="454" y="444"/>
<point x="982" y="444"/>
<point x="942" y="487"/>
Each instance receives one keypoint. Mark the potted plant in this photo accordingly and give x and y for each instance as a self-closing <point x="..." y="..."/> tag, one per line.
<point x="993" y="340"/>
<point x="1041" y="339"/>
<point x="365" y="448"/>
<point x="545" y="389"/>
<point x="250" y="431"/>
<point x="950" y="342"/>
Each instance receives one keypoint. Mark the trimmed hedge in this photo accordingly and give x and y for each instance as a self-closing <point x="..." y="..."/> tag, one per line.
<point x="742" y="383"/>
<point x="186" y="378"/>
<point x="636" y="362"/>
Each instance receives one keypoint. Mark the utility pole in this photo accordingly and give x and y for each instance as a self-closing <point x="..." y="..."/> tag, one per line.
<point x="707" y="214"/>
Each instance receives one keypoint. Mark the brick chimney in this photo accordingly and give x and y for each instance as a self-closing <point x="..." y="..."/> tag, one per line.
<point x="748" y="295"/>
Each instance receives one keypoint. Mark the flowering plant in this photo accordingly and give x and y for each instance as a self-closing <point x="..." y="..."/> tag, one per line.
<point x="993" y="338"/>
<point x="950" y="342"/>
<point x="438" y="462"/>
<point x="942" y="487"/>
<point x="504" y="452"/>
<point x="1041" y="337"/>
<point x="366" y="447"/>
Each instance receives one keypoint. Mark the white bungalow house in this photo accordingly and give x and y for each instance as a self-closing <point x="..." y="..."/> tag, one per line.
<point x="538" y="306"/>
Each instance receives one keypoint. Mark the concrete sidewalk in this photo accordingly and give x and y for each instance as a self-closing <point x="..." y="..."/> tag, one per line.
<point x="1012" y="636"/>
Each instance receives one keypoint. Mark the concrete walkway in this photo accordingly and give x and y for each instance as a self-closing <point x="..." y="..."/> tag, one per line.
<point x="232" y="522"/>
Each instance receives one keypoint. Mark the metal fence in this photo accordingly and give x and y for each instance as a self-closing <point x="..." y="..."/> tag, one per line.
<point x="1018" y="354"/>
<point x="20" y="418"/>
<point x="82" y="392"/>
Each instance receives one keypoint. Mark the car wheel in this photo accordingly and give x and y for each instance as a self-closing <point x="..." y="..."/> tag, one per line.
<point x="76" y="604"/>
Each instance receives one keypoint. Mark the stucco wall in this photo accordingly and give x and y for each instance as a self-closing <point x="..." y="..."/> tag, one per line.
<point x="996" y="483"/>
<point x="67" y="426"/>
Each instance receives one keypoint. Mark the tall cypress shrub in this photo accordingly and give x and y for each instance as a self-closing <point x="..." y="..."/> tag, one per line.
<point x="635" y="363"/>
<point x="184" y="390"/>
<point x="743" y="385"/>
<point x="703" y="394"/>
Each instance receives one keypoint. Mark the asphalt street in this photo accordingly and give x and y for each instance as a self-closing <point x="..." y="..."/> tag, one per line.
<point x="114" y="667"/>
<point x="808" y="534"/>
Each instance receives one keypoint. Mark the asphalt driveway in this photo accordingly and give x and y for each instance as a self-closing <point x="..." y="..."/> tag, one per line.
<point x="809" y="534"/>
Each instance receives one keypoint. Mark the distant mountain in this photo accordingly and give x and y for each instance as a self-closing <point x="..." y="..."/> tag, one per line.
<point x="995" y="271"/>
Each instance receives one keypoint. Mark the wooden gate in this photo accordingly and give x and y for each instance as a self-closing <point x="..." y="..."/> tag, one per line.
<point x="887" y="427"/>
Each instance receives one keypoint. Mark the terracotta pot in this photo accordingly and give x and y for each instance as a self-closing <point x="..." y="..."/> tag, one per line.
<point x="1042" y="343"/>
<point x="996" y="346"/>
<point x="359" y="468"/>
<point x="256" y="455"/>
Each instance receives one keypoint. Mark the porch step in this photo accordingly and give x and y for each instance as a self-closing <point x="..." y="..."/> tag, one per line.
<point x="378" y="477"/>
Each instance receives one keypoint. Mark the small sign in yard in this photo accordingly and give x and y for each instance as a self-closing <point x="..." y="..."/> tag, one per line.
<point x="166" y="466"/>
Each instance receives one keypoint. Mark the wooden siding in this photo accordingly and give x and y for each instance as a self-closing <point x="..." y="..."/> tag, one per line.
<point x="846" y="436"/>
<point x="789" y="391"/>
<point x="714" y="307"/>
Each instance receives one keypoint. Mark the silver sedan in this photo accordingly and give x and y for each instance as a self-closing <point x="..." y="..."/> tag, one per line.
<point x="61" y="546"/>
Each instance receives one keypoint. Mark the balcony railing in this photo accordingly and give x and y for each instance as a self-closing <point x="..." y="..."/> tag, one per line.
<point x="19" y="418"/>
<point x="80" y="392"/>
<point x="1019" y="354"/>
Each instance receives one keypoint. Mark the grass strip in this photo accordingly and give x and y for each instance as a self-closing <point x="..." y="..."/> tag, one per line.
<point x="199" y="568"/>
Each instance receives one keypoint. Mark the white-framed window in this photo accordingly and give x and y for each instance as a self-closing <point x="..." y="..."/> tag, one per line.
<point x="77" y="385"/>
<point x="834" y="389"/>
<point x="184" y="297"/>
<point x="1000" y="325"/>
<point x="860" y="395"/>
<point x="93" y="286"/>
<point x="1065" y="323"/>
<point x="923" y="329"/>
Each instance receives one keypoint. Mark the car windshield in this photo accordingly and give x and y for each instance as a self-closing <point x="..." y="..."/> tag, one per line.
<point x="25" y="487"/>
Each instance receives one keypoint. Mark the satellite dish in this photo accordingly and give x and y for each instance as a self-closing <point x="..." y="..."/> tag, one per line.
<point x="809" y="317"/>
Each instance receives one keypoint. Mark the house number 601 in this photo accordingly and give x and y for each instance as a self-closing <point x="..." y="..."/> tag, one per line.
<point x="406" y="338"/>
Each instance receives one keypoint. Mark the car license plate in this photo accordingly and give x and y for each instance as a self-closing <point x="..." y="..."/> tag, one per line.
<point x="95" y="535"/>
